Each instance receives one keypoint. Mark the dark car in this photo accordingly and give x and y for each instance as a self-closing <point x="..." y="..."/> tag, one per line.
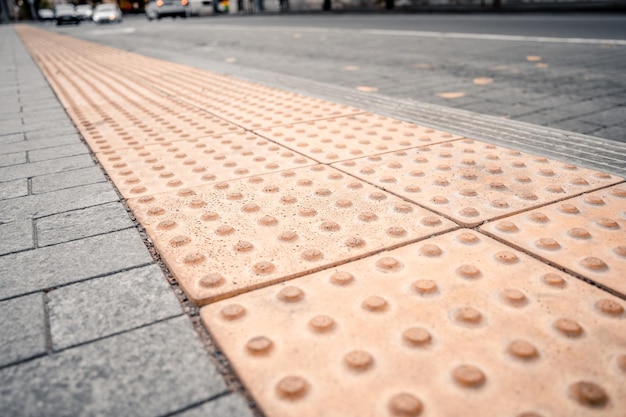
<point x="65" y="13"/>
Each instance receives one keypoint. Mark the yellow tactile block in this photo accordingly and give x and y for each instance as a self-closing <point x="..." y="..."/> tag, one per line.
<point x="455" y="325"/>
<point x="471" y="181"/>
<point x="171" y="166"/>
<point x="355" y="136"/>
<point x="230" y="237"/>
<point x="585" y="235"/>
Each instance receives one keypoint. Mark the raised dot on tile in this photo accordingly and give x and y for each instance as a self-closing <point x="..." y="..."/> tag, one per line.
<point x="594" y="263"/>
<point x="243" y="246"/>
<point x="268" y="221"/>
<point x="166" y="225"/>
<point x="468" y="315"/>
<point x="358" y="360"/>
<point x="292" y="388"/>
<point x="312" y="255"/>
<point x="440" y="200"/>
<point x="322" y="323"/>
<point x="212" y="280"/>
<point x="259" y="345"/>
<point x="374" y="303"/>
<point x="468" y="271"/>
<point x="288" y="236"/>
<point x="522" y="349"/>
<point x="330" y="226"/>
<point x="609" y="307"/>
<point x="621" y="362"/>
<point x="341" y="278"/>
<point x="177" y="241"/>
<point x="468" y="238"/>
<point x="417" y="336"/>
<point x="232" y="311"/>
<point x="589" y="394"/>
<point x="396" y="231"/>
<point x="514" y="297"/>
<point x="156" y="211"/>
<point x="389" y="264"/>
<point x="469" y="376"/>
<point x="579" y="233"/>
<point x="263" y="267"/>
<point x="368" y="216"/>
<point x="506" y="257"/>
<point x="568" y="327"/>
<point x="620" y="250"/>
<point x="405" y="405"/>
<point x="431" y="221"/>
<point x="607" y="223"/>
<point x="430" y="250"/>
<point x="594" y="200"/>
<point x="194" y="258"/>
<point x="307" y="212"/>
<point x="547" y="243"/>
<point x="290" y="294"/>
<point x="250" y="208"/>
<point x="210" y="216"/>
<point x="425" y="286"/>
<point x="507" y="226"/>
<point x="355" y="242"/>
<point x="554" y="280"/>
<point x="146" y="199"/>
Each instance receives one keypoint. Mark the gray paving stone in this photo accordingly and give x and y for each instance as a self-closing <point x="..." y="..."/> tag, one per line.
<point x="12" y="189"/>
<point x="50" y="133"/>
<point x="147" y="372"/>
<point x="58" y="152"/>
<point x="10" y="159"/>
<point x="75" y="178"/>
<point x="19" y="144"/>
<point x="10" y="139"/>
<point x="43" y="124"/>
<point x="48" y="267"/>
<point x="11" y="127"/>
<point x="40" y="205"/>
<point x="45" y="167"/>
<point x="105" y="306"/>
<point x="22" y="329"/>
<point x="82" y="223"/>
<point x="232" y="405"/>
<point x="613" y="132"/>
<point x="16" y="236"/>
<point x="607" y="117"/>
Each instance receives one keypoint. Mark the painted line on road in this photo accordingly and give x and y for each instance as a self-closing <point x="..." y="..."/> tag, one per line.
<point x="99" y="32"/>
<point x="491" y="37"/>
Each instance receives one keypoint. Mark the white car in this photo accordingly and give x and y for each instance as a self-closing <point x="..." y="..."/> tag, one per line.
<point x="157" y="9"/>
<point x="107" y="13"/>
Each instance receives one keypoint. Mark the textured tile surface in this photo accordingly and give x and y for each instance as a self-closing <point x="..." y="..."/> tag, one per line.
<point x="472" y="181"/>
<point x="355" y="136"/>
<point x="585" y="235"/>
<point x="234" y="236"/>
<point x="175" y="165"/>
<point x="454" y="323"/>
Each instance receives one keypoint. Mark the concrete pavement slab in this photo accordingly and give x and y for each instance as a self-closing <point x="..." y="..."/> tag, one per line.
<point x="54" y="202"/>
<point x="152" y="371"/>
<point x="45" y="167"/>
<point x="48" y="267"/>
<point x="19" y="144"/>
<point x="16" y="236"/>
<point x="50" y="132"/>
<point x="69" y="179"/>
<point x="57" y="152"/>
<point x="231" y="405"/>
<point x="22" y="326"/>
<point x="10" y="159"/>
<point x="12" y="189"/>
<point x="82" y="223"/>
<point x="113" y="304"/>
<point x="11" y="138"/>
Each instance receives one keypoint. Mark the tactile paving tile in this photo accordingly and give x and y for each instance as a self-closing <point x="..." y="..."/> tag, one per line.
<point x="171" y="166"/>
<point x="471" y="181"/>
<point x="234" y="236"/>
<point x="585" y="235"/>
<point x="452" y="326"/>
<point x="350" y="137"/>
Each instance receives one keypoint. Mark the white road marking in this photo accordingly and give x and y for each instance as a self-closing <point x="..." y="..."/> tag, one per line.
<point x="116" y="31"/>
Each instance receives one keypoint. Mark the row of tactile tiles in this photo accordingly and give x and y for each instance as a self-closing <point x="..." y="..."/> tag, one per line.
<point x="455" y="323"/>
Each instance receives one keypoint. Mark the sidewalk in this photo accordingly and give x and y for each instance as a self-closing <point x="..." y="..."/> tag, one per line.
<point x="334" y="255"/>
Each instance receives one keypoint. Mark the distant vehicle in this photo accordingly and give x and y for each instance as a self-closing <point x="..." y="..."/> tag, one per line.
<point x="156" y="9"/>
<point x="84" y="11"/>
<point x="46" y="14"/>
<point x="107" y="13"/>
<point x="200" y="7"/>
<point x="65" y="13"/>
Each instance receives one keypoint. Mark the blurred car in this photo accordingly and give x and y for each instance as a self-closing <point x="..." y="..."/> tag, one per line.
<point x="46" y="14"/>
<point x="200" y="7"/>
<point x="156" y="9"/>
<point x="84" y="11"/>
<point x="107" y="13"/>
<point x="65" y="13"/>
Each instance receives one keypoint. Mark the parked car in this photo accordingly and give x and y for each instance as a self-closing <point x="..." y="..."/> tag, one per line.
<point x="107" y="13"/>
<point x="200" y="7"/>
<point x="84" y="11"/>
<point x="46" y="14"/>
<point x="156" y="9"/>
<point x="65" y="13"/>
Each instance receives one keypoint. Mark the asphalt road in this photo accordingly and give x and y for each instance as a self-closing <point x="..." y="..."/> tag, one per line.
<point x="563" y="71"/>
